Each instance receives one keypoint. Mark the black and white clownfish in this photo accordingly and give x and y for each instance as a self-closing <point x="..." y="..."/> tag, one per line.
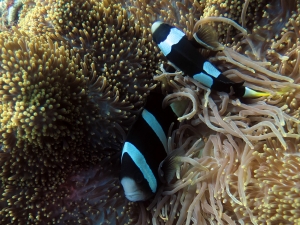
<point x="183" y="55"/>
<point x="144" y="161"/>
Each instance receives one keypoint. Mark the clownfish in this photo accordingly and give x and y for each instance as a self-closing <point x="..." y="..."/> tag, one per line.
<point x="183" y="55"/>
<point x="144" y="161"/>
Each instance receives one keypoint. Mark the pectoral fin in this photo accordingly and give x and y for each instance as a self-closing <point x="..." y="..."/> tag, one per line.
<point x="168" y="166"/>
<point x="208" y="38"/>
<point x="179" y="107"/>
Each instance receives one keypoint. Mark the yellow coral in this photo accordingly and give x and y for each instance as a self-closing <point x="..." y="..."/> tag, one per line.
<point x="69" y="92"/>
<point x="37" y="88"/>
<point x="103" y="34"/>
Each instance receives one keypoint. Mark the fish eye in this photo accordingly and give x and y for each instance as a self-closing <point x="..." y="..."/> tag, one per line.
<point x="170" y="69"/>
<point x="160" y="170"/>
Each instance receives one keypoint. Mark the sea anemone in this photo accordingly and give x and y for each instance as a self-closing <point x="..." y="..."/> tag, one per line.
<point x="68" y="97"/>
<point x="74" y="75"/>
<point x="250" y="147"/>
<point x="56" y="119"/>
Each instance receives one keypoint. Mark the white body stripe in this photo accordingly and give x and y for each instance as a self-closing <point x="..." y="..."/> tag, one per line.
<point x="210" y="69"/>
<point x="173" y="38"/>
<point x="141" y="163"/>
<point x="156" y="127"/>
<point x="204" y="79"/>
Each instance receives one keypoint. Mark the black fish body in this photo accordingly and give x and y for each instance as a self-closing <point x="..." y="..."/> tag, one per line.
<point x="145" y="148"/>
<point x="175" y="45"/>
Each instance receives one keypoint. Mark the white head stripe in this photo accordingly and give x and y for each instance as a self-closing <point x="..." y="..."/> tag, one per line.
<point x="210" y="69"/>
<point x="141" y="163"/>
<point x="173" y="38"/>
<point x="156" y="127"/>
<point x="204" y="79"/>
<point x="155" y="25"/>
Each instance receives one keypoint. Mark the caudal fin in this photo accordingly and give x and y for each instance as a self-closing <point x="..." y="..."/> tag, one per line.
<point x="246" y="92"/>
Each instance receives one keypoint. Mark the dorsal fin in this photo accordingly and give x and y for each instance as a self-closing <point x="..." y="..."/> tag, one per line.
<point x="208" y="38"/>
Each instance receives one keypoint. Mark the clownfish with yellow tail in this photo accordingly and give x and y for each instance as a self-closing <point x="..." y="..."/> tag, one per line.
<point x="144" y="161"/>
<point x="183" y="55"/>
